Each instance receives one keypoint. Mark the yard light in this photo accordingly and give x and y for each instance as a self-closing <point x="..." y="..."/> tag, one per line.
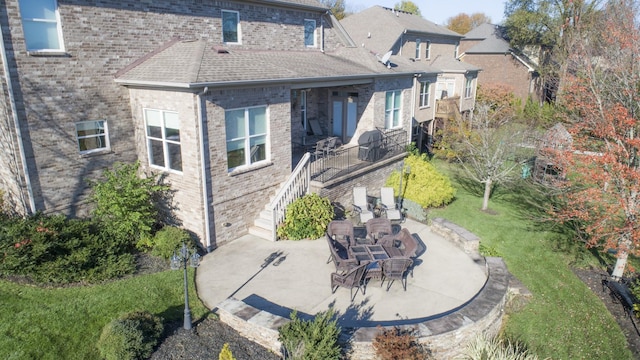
<point x="181" y="259"/>
<point x="403" y="170"/>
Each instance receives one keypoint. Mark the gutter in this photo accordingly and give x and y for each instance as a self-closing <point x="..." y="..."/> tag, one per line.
<point x="16" y="124"/>
<point x="205" y="189"/>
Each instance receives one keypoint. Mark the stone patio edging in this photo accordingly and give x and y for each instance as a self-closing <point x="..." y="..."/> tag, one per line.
<point x="445" y="335"/>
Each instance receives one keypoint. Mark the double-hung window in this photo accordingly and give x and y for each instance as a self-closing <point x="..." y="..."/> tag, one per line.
<point x="309" y="33"/>
<point x="41" y="25"/>
<point x="418" y="46"/>
<point x="467" y="87"/>
<point x="427" y="52"/>
<point x="92" y="136"/>
<point x="425" y="93"/>
<point x="163" y="139"/>
<point x="246" y="131"/>
<point x="392" y="108"/>
<point x="445" y="88"/>
<point x="231" y="27"/>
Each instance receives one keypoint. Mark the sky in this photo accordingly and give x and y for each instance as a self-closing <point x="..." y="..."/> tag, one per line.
<point x="438" y="11"/>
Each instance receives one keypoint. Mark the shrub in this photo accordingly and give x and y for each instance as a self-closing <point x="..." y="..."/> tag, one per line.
<point x="225" y="353"/>
<point x="482" y="347"/>
<point x="424" y="185"/>
<point x="306" y="218"/>
<point x="125" y="203"/>
<point x="315" y="339"/>
<point x="398" y="344"/>
<point x="132" y="336"/>
<point x="168" y="240"/>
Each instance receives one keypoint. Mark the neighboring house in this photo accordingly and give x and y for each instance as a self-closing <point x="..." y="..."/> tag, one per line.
<point x="449" y="86"/>
<point x="215" y="96"/>
<point x="486" y="47"/>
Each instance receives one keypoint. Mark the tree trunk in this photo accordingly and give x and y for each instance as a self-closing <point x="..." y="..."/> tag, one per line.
<point x="621" y="263"/>
<point x="487" y="193"/>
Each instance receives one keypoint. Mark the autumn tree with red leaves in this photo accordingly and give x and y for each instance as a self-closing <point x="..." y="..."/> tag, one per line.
<point x="602" y="193"/>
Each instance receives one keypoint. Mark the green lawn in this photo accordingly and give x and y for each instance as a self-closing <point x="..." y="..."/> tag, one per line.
<point x="564" y="319"/>
<point x="65" y="323"/>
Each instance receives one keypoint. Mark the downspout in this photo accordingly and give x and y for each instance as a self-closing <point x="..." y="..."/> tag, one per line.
<point x="413" y="104"/>
<point x="16" y="124"/>
<point x="322" y="31"/>
<point x="205" y="191"/>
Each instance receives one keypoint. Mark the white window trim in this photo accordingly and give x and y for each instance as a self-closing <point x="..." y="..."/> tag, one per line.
<point x="315" y="33"/>
<point x="107" y="146"/>
<point x="427" y="52"/>
<point x="247" y="139"/>
<point x="389" y="120"/>
<point x="418" y="48"/>
<point x="238" y="27"/>
<point x="165" y="150"/>
<point x="468" y="90"/>
<point x="58" y="27"/>
<point x="426" y="99"/>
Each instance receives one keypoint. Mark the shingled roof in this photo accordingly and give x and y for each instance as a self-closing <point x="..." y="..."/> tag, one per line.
<point x="492" y="40"/>
<point x="196" y="63"/>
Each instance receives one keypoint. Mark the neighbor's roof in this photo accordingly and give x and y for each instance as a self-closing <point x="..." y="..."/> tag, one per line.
<point x="492" y="40"/>
<point x="451" y="65"/>
<point x="483" y="31"/>
<point x="298" y="3"/>
<point x="379" y="28"/>
<point x="198" y="63"/>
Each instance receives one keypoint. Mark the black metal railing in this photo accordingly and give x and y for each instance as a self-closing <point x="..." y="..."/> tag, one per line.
<point x="349" y="158"/>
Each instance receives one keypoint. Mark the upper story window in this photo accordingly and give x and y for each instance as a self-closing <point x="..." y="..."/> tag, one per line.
<point x="445" y="88"/>
<point x="163" y="139"/>
<point x="230" y="27"/>
<point x="468" y="89"/>
<point x="392" y="108"/>
<point x="418" y="51"/>
<point x="427" y="52"/>
<point x="455" y="54"/>
<point x="246" y="131"/>
<point x="92" y="136"/>
<point x="425" y="93"/>
<point x="309" y="33"/>
<point x="41" y="25"/>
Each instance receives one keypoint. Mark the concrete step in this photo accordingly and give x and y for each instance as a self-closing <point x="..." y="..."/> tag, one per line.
<point x="261" y="232"/>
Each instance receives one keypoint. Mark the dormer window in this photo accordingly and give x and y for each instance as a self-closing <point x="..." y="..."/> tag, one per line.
<point x="309" y="33"/>
<point x="231" y="27"/>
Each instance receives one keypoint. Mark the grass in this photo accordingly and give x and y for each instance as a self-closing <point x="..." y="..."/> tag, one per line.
<point x="564" y="319"/>
<point x="65" y="323"/>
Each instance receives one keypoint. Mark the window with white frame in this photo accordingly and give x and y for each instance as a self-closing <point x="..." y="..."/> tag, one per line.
<point x="392" y="108"/>
<point x="468" y="87"/>
<point x="445" y="88"/>
<point x="92" y="136"/>
<point x="455" y="54"/>
<point x="425" y="93"/>
<point x="41" y="25"/>
<point x="427" y="52"/>
<point x="163" y="139"/>
<point x="418" y="51"/>
<point x="309" y="33"/>
<point x="230" y="27"/>
<point x="246" y="131"/>
<point x="303" y="110"/>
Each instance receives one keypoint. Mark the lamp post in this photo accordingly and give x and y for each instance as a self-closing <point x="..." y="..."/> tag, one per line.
<point x="404" y="170"/>
<point x="181" y="259"/>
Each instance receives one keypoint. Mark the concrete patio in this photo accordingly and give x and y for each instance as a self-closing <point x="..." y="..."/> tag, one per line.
<point x="275" y="278"/>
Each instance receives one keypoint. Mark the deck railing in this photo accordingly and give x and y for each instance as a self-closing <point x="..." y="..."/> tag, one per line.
<point x="349" y="158"/>
<point x="296" y="186"/>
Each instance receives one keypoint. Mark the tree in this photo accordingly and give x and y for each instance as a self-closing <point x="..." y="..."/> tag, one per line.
<point x="487" y="145"/>
<point x="547" y="28"/>
<point x="463" y="23"/>
<point x="336" y="7"/>
<point x="602" y="194"/>
<point x="408" y="6"/>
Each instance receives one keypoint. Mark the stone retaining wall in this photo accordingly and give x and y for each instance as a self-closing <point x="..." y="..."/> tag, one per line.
<point x="445" y="336"/>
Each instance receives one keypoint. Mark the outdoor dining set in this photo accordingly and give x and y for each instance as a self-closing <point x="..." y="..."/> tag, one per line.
<point x="374" y="252"/>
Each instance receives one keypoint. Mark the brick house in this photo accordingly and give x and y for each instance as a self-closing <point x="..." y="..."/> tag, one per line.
<point x="448" y="87"/>
<point x="213" y="95"/>
<point x="486" y="47"/>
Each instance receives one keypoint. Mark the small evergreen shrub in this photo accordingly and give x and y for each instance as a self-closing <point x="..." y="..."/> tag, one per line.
<point x="225" y="353"/>
<point x="398" y="344"/>
<point x="169" y="240"/>
<point x="424" y="185"/>
<point x="310" y="340"/>
<point x="483" y="347"/>
<point x="306" y="218"/>
<point x="132" y="336"/>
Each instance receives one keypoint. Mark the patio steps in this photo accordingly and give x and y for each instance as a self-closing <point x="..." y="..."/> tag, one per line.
<point x="263" y="225"/>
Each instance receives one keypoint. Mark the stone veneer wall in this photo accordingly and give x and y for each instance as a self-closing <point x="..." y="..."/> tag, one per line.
<point x="445" y="336"/>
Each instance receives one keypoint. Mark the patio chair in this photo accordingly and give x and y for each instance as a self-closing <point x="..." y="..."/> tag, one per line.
<point x="360" y="204"/>
<point x="332" y="144"/>
<point x="395" y="269"/>
<point x="389" y="205"/>
<point x="402" y="245"/>
<point x="377" y="228"/>
<point x="353" y="279"/>
<point x="320" y="149"/>
<point x="342" y="232"/>
<point x="340" y="256"/>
